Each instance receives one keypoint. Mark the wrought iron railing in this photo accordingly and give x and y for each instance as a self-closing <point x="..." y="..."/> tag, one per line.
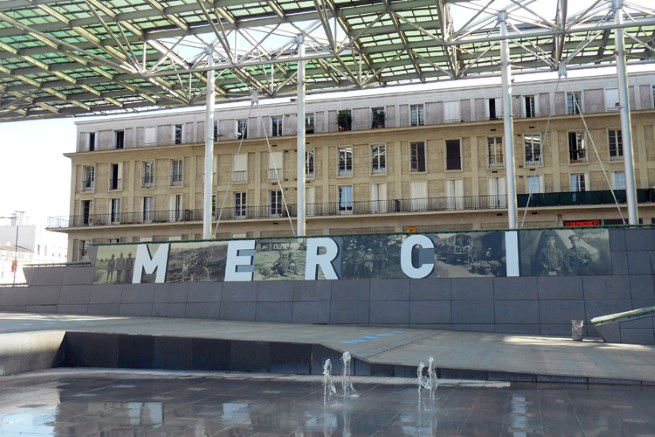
<point x="353" y="208"/>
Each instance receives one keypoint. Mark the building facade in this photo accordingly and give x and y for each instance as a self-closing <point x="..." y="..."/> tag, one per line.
<point x="391" y="162"/>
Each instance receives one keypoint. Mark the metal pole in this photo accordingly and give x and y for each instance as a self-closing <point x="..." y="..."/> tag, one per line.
<point x="506" y="74"/>
<point x="16" y="249"/>
<point x="624" y="110"/>
<point x="300" y="39"/>
<point x="209" y="148"/>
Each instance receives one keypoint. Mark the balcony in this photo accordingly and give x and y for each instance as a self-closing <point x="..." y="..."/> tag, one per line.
<point x="429" y="204"/>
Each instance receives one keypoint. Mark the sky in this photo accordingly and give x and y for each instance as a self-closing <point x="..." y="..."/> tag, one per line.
<point x="35" y="174"/>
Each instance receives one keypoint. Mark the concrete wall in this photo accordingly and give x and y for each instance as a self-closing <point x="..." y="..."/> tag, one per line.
<point x="526" y="305"/>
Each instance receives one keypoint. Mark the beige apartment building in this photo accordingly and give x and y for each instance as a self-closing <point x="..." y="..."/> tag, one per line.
<point x="426" y="160"/>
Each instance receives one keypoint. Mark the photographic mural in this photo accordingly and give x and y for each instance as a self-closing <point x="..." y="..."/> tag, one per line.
<point x="561" y="252"/>
<point x="555" y="252"/>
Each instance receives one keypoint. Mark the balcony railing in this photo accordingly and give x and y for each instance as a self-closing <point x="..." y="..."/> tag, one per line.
<point x="356" y="208"/>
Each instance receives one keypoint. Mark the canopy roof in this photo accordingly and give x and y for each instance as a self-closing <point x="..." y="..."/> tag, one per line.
<point x="67" y="57"/>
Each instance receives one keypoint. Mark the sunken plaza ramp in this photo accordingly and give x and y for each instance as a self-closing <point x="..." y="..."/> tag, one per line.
<point x="36" y="341"/>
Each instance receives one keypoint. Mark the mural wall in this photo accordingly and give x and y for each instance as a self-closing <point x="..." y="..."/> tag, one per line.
<point x="384" y="256"/>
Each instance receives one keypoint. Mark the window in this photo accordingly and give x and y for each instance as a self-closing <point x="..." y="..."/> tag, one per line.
<point x="148" y="209"/>
<point x="417" y="157"/>
<point x="175" y="208"/>
<point x="379" y="198"/>
<point x="451" y="112"/>
<point x="378" y="159"/>
<point x="416" y="115"/>
<point x="215" y="131"/>
<point x="495" y="152"/>
<point x="345" y="199"/>
<point x="177" y="169"/>
<point x="455" y="194"/>
<point x="119" y="139"/>
<point x="275" y="166"/>
<point x="309" y="164"/>
<point x="419" y="194"/>
<point x="579" y="182"/>
<point x="494" y="108"/>
<point x="91" y="141"/>
<point x="532" y="144"/>
<point x="240" y="168"/>
<point x="574" y="102"/>
<point x="214" y="206"/>
<point x="453" y="155"/>
<point x="242" y="129"/>
<point x="530" y="106"/>
<point x="150" y="136"/>
<point x="618" y="180"/>
<point x="345" y="164"/>
<point x="309" y="123"/>
<point x="497" y="190"/>
<point x="611" y="99"/>
<point x="86" y="212"/>
<point x="178" y="133"/>
<point x="276" y="207"/>
<point x="148" y="174"/>
<point x="115" y="176"/>
<point x="344" y="120"/>
<point x="88" y="178"/>
<point x="114" y="211"/>
<point x="83" y="247"/>
<point x="377" y="118"/>
<point x="577" y="147"/>
<point x="276" y="126"/>
<point x="535" y="184"/>
<point x="240" y="205"/>
<point x="615" y="140"/>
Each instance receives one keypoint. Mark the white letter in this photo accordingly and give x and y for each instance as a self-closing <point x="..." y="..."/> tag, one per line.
<point x="235" y="260"/>
<point x="143" y="261"/>
<point x="423" y="270"/>
<point x="512" y="253"/>
<point x="324" y="261"/>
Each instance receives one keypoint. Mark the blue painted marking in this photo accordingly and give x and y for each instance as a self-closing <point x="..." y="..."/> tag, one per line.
<point x="370" y="337"/>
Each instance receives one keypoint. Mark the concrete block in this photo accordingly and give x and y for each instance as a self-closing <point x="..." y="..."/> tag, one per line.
<point x="515" y="288"/>
<point x="209" y="354"/>
<point x="637" y="336"/>
<point x="351" y="290"/>
<point x="642" y="239"/>
<point x="561" y="311"/>
<point x="311" y="312"/>
<point x="136" y="309"/>
<point x="75" y="294"/>
<point x="619" y="263"/>
<point x="617" y="240"/>
<point x="472" y="311"/>
<point x="559" y="287"/>
<point x="429" y="289"/>
<point x="516" y="311"/>
<point x="86" y="349"/>
<point x="204" y="292"/>
<point x="169" y="310"/>
<point x="250" y="356"/>
<point x="29" y="352"/>
<point x="348" y="312"/>
<point x="312" y="291"/>
<point x="642" y="287"/>
<point x="274" y="312"/>
<point x="556" y="329"/>
<point x="290" y="358"/>
<point x="389" y="312"/>
<point x="77" y="275"/>
<point x="609" y="332"/>
<point x="103" y="294"/>
<point x="104" y="309"/>
<point x="172" y="292"/>
<point x="238" y="311"/>
<point x="47" y="276"/>
<point x="202" y="310"/>
<point x="172" y="353"/>
<point x="518" y="328"/>
<point x="606" y="287"/>
<point x="472" y="288"/>
<point x="43" y="294"/>
<point x="643" y="323"/>
<point x="390" y="289"/>
<point x="136" y="351"/>
<point x="473" y="327"/>
<point x="239" y="292"/>
<point x="429" y="311"/>
<point x="275" y="291"/>
<point x="72" y="309"/>
<point x="14" y="296"/>
<point x="604" y="307"/>
<point x="639" y="263"/>
<point x="138" y="293"/>
<point x="50" y="309"/>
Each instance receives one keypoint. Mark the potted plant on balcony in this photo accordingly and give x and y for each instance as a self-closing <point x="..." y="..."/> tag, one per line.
<point x="344" y="120"/>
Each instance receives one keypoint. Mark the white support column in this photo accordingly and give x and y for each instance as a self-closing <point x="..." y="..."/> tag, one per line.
<point x="624" y="110"/>
<point x="300" y="39"/>
<point x="506" y="75"/>
<point x="209" y="149"/>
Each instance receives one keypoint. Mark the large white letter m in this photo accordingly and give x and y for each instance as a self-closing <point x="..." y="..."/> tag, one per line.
<point x="149" y="264"/>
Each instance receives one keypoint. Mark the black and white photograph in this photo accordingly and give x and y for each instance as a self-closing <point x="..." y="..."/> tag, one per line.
<point x="115" y="264"/>
<point x="470" y="255"/>
<point x="371" y="256"/>
<point x="280" y="259"/>
<point x="565" y="252"/>
<point x="196" y="262"/>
